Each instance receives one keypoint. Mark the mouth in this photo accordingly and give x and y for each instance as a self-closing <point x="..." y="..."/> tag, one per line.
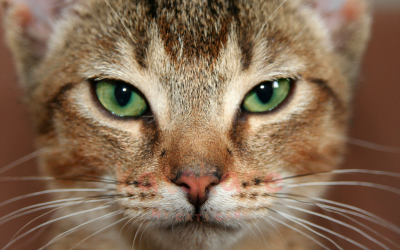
<point x="201" y="221"/>
<point x="196" y="224"/>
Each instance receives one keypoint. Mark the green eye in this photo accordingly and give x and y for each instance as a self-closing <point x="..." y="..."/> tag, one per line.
<point x="120" y="98"/>
<point x="267" y="96"/>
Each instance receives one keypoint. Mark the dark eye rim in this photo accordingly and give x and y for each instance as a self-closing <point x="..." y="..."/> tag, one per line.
<point x="293" y="84"/>
<point x="145" y="116"/>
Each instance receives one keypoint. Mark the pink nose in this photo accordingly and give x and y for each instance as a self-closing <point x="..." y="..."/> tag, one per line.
<point x="197" y="187"/>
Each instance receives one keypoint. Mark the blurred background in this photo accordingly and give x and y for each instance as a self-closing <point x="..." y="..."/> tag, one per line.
<point x="376" y="119"/>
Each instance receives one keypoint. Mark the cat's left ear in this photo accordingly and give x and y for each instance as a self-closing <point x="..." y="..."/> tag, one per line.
<point x="29" y="25"/>
<point x="348" y="24"/>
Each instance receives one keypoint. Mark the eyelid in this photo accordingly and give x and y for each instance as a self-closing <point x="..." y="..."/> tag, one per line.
<point x="97" y="79"/>
<point x="274" y="77"/>
<point x="292" y="77"/>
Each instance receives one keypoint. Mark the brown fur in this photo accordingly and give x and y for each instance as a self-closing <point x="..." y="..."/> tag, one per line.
<point x="194" y="61"/>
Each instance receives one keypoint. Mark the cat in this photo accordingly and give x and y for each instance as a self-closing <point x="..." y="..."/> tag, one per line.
<point x="188" y="124"/>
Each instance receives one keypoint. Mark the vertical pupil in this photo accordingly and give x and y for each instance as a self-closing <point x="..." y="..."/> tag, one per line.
<point x="264" y="92"/>
<point x="122" y="94"/>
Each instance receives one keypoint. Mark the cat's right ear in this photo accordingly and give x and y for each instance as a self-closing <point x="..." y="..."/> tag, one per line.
<point x="28" y="26"/>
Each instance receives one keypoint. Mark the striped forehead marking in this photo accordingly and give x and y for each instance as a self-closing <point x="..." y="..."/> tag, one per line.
<point x="195" y="29"/>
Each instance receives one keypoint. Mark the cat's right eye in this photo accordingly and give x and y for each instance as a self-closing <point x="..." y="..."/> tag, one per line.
<point x="120" y="99"/>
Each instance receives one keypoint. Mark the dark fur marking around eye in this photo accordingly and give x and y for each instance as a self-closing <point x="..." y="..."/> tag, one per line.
<point x="237" y="133"/>
<point x="46" y="125"/>
<point x="325" y="86"/>
<point x="151" y="131"/>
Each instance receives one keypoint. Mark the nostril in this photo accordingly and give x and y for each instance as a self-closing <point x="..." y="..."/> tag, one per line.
<point x="185" y="187"/>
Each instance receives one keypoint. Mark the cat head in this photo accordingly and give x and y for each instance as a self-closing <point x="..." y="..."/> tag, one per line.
<point x="191" y="107"/>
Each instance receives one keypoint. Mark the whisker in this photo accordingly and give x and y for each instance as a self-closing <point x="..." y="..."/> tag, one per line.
<point x="120" y="232"/>
<point x="347" y="183"/>
<point x="258" y="239"/>
<point x="115" y="223"/>
<point x="365" y="226"/>
<point x="133" y="242"/>
<point x="339" y="171"/>
<point x="32" y="239"/>
<point x="297" y="230"/>
<point x="85" y="201"/>
<point x="365" y="171"/>
<point x="369" y="145"/>
<point x="41" y="208"/>
<point x="52" y="191"/>
<point x="66" y="178"/>
<point x="27" y="178"/>
<point x="22" y="160"/>
<point x="38" y="217"/>
<point x="140" y="239"/>
<point x="293" y="219"/>
<point x="40" y="232"/>
<point x="265" y="241"/>
<point x="131" y="228"/>
<point x="38" y="205"/>
<point x="60" y="206"/>
<point x="269" y="18"/>
<point x="49" y="222"/>
<point x="279" y="232"/>
<point x="50" y="204"/>
<point x="72" y="230"/>
<point x="105" y="196"/>
<point x="375" y="219"/>
<point x="298" y="220"/>
<point x="372" y="217"/>
<point x="341" y="223"/>
<point x="88" y="178"/>
<point x="57" y="208"/>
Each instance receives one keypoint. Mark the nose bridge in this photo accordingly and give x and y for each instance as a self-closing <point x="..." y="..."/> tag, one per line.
<point x="198" y="150"/>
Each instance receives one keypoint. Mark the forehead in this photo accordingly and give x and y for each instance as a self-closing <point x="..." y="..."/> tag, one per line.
<point x="187" y="54"/>
<point x="199" y="29"/>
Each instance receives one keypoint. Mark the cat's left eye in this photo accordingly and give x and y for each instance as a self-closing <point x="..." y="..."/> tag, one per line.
<point x="267" y="96"/>
<point x="120" y="99"/>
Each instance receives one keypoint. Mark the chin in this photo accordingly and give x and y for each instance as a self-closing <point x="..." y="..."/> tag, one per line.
<point x="197" y="235"/>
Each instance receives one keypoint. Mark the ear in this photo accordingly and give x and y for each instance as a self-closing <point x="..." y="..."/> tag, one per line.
<point x="29" y="25"/>
<point x="342" y="17"/>
<point x="348" y="23"/>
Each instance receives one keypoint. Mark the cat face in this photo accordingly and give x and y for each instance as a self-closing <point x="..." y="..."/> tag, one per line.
<point x="166" y="100"/>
